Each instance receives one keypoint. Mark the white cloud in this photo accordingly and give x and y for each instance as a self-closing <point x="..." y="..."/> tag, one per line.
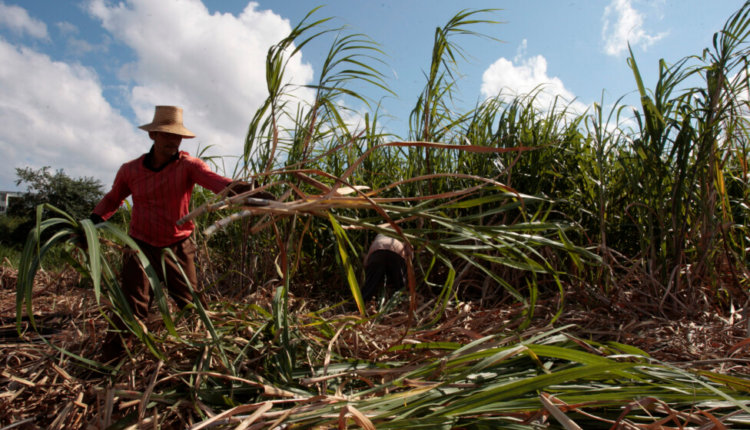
<point x="212" y="65"/>
<point x="527" y="76"/>
<point x="521" y="51"/>
<point x="54" y="114"/>
<point x="79" y="47"/>
<point x="66" y="28"/>
<point x="18" y="20"/>
<point x="627" y="27"/>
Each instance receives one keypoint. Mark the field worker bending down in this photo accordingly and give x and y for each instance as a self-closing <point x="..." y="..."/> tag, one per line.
<point x="161" y="183"/>
<point x="385" y="259"/>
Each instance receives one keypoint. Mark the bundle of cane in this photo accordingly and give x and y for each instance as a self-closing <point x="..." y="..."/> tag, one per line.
<point x="344" y="195"/>
<point x="246" y="205"/>
<point x="340" y="195"/>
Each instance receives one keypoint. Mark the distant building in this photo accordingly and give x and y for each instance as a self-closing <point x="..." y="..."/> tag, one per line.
<point x="4" y="197"/>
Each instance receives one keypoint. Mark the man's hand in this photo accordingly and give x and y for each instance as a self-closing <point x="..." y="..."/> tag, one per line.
<point x="96" y="219"/>
<point x="240" y="187"/>
<point x="264" y="195"/>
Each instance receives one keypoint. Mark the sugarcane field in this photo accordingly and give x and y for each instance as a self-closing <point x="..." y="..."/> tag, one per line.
<point x="511" y="265"/>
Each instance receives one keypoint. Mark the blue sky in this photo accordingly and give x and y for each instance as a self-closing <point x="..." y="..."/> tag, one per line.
<point x="78" y="77"/>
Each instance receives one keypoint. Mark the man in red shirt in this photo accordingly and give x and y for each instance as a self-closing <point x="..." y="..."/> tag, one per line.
<point x="161" y="184"/>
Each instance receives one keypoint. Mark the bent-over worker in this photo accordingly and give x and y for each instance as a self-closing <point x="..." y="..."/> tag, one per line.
<point x="386" y="259"/>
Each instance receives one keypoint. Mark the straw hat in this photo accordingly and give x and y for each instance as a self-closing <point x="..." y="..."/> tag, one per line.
<point x="168" y="119"/>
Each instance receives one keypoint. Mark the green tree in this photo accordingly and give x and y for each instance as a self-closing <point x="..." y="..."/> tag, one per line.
<point x="78" y="196"/>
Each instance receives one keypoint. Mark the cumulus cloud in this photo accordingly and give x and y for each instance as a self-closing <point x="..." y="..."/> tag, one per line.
<point x="212" y="65"/>
<point x="18" y="20"/>
<point x="622" y="24"/>
<point x="526" y="75"/>
<point x="53" y="114"/>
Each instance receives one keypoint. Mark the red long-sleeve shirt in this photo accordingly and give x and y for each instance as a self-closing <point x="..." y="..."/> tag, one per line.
<point x="160" y="197"/>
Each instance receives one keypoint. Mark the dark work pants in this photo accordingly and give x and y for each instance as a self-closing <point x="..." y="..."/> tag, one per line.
<point x="137" y="289"/>
<point x="135" y="283"/>
<point x="383" y="264"/>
